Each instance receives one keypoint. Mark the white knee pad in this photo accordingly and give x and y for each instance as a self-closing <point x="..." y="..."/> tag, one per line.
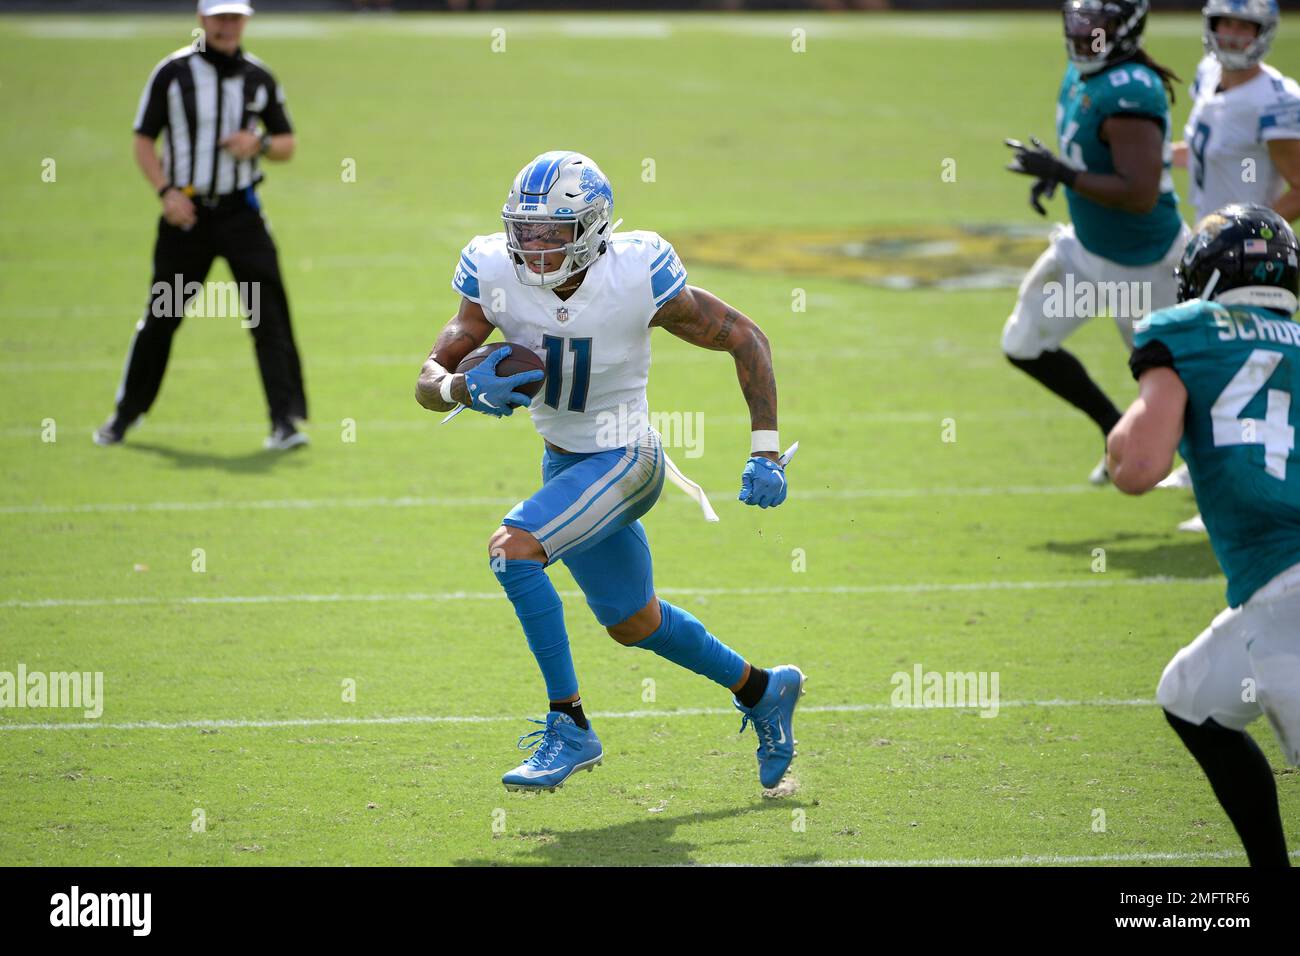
<point x="1170" y="693"/>
<point x="1212" y="676"/>
<point x="1274" y="648"/>
<point x="1019" y="339"/>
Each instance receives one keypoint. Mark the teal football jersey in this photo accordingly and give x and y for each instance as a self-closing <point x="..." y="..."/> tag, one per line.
<point x="1131" y="239"/>
<point x="1241" y="368"/>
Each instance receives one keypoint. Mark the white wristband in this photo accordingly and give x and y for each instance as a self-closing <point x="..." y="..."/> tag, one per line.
<point x="764" y="441"/>
<point x="444" y="390"/>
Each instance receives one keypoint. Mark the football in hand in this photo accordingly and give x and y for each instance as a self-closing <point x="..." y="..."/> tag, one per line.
<point x="520" y="359"/>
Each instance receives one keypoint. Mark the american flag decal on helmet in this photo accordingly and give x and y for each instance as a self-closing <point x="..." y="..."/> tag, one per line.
<point x="1255" y="247"/>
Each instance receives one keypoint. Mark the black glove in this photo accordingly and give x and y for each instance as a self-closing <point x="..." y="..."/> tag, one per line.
<point x="1039" y="161"/>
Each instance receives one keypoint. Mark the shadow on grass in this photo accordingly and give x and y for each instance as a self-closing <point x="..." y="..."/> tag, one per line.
<point x="260" y="461"/>
<point x="1184" y="556"/>
<point x="645" y="842"/>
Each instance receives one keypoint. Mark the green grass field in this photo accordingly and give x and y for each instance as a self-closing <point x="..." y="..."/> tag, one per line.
<point x="365" y="560"/>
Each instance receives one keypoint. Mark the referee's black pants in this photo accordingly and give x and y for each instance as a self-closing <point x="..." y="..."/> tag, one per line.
<point x="234" y="230"/>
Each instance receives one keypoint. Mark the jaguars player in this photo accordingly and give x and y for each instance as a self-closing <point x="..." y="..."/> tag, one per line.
<point x="1242" y="139"/>
<point x="561" y="281"/>
<point x="1219" y="380"/>
<point x="1113" y="128"/>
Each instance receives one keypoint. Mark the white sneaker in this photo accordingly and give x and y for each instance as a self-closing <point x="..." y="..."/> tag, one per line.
<point x="1180" y="477"/>
<point x="1100" y="475"/>
<point x="283" y="437"/>
<point x="112" y="432"/>
<point x="1193" y="525"/>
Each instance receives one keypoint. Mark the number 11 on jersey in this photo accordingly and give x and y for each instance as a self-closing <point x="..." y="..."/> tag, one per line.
<point x="581" y="349"/>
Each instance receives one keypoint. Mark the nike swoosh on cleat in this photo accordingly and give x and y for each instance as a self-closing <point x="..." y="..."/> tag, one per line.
<point x="532" y="774"/>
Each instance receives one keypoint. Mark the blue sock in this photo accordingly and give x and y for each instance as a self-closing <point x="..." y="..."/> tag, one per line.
<point x="538" y="607"/>
<point x="683" y="640"/>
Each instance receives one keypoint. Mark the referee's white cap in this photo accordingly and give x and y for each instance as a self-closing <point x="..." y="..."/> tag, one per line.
<point x="210" y="8"/>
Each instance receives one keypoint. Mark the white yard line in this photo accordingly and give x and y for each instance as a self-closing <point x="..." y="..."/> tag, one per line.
<point x="966" y="356"/>
<point x="1051" y="860"/>
<point x="235" y="724"/>
<point x="1097" y="581"/>
<point x="277" y="504"/>
<point x="423" y="423"/>
<point x="875" y="27"/>
<point x="46" y="310"/>
<point x="458" y="501"/>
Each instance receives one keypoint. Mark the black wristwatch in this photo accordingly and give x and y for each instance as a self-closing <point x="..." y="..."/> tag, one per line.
<point x="163" y="192"/>
<point x="266" y="144"/>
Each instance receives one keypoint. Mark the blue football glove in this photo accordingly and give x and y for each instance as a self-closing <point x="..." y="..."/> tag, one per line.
<point x="763" y="483"/>
<point x="493" y="395"/>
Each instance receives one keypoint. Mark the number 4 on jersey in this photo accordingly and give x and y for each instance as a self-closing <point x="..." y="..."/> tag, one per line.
<point x="1275" y="433"/>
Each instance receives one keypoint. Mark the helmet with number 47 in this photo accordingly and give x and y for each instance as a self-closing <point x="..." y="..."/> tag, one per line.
<point x="557" y="217"/>
<point x="1242" y="255"/>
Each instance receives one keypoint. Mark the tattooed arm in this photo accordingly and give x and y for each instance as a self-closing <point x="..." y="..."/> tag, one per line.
<point x="703" y="319"/>
<point x="463" y="334"/>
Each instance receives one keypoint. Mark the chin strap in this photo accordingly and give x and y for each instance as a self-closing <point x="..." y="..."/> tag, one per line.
<point x="605" y="242"/>
<point x="1208" y="292"/>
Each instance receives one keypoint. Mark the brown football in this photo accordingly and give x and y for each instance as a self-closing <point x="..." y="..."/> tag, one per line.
<point x="520" y="359"/>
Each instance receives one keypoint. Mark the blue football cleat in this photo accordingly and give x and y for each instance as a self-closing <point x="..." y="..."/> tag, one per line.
<point x="561" y="748"/>
<point x="773" y="720"/>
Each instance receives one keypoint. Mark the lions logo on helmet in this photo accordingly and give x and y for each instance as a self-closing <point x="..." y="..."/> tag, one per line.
<point x="596" y="185"/>
<point x="559" y="205"/>
<point x="1101" y="32"/>
<point x="1263" y="13"/>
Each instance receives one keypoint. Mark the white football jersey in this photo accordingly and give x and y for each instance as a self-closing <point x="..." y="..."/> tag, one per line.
<point x="1228" y="133"/>
<point x="595" y="344"/>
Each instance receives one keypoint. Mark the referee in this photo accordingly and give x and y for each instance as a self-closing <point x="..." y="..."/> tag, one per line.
<point x="207" y="103"/>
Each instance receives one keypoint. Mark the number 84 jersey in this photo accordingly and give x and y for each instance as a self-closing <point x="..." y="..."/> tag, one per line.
<point x="1084" y="105"/>
<point x="596" y="343"/>
<point x="1241" y="367"/>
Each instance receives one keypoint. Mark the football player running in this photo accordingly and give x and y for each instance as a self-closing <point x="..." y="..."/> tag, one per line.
<point x="1242" y="139"/>
<point x="1113" y="128"/>
<point x="561" y="281"/>
<point x="1218" y="378"/>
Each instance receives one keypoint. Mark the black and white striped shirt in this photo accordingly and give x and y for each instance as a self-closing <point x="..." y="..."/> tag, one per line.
<point x="199" y="98"/>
